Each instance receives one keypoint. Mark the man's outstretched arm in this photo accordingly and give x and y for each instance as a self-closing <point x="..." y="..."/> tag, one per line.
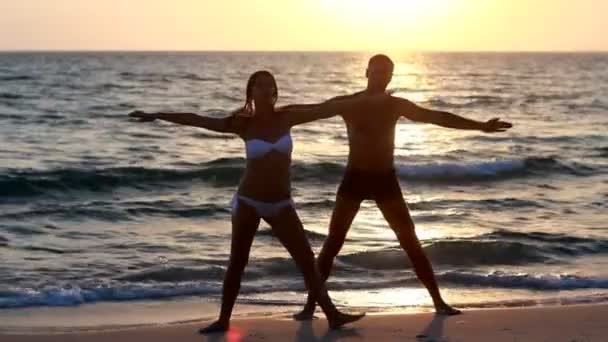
<point x="416" y="113"/>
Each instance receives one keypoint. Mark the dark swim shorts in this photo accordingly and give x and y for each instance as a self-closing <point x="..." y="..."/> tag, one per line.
<point x="361" y="185"/>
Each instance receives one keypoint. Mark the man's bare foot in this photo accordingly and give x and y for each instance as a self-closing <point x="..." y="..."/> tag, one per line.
<point x="215" y="327"/>
<point x="342" y="319"/>
<point x="446" y="310"/>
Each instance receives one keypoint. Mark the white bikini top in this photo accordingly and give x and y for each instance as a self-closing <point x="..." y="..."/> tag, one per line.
<point x="257" y="148"/>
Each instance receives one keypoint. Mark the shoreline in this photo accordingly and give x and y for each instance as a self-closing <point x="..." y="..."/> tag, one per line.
<point x="118" y="315"/>
<point x="579" y="322"/>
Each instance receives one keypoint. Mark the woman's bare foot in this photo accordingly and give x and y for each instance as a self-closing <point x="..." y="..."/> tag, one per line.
<point x="446" y="310"/>
<point x="215" y="327"/>
<point x="307" y="313"/>
<point x="341" y="319"/>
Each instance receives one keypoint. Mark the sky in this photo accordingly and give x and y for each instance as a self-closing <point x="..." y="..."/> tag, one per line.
<point x="321" y="25"/>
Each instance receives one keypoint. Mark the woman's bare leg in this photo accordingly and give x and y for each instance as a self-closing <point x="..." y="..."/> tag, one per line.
<point x="341" y="219"/>
<point x="288" y="228"/>
<point x="245" y="222"/>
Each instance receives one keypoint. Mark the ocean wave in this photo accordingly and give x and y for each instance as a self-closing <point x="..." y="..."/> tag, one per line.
<point x="116" y="211"/>
<point x="177" y="274"/>
<point x="543" y="237"/>
<point x="195" y="77"/>
<point x="47" y="249"/>
<point x="453" y="253"/>
<point x="542" y="98"/>
<point x="485" y="250"/>
<point x="73" y="212"/>
<point x="310" y="235"/>
<point x="602" y="152"/>
<point x="148" y="135"/>
<point x="179" y="211"/>
<point x="470" y="101"/>
<point x="16" y="78"/>
<point x="206" y="135"/>
<point x="73" y="295"/>
<point x="458" y="253"/>
<point x="396" y="90"/>
<point x="480" y="204"/>
<point x="21" y="183"/>
<point x="490" y="170"/>
<point x="114" y="86"/>
<point x="8" y="116"/>
<point x="497" y="248"/>
<point x="159" y="77"/>
<point x="227" y="172"/>
<point x="489" y="99"/>
<point x="11" y="96"/>
<point x="113" y="108"/>
<point x="524" y="281"/>
<point x="316" y="204"/>
<point x="144" y="77"/>
<point x="151" y="248"/>
<point x="497" y="279"/>
<point x="598" y="104"/>
<point x="22" y="230"/>
<point x="228" y="97"/>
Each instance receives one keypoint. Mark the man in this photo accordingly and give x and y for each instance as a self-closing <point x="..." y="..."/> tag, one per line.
<point x="370" y="174"/>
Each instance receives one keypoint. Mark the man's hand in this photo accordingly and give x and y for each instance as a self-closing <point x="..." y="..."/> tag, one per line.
<point x="495" y="125"/>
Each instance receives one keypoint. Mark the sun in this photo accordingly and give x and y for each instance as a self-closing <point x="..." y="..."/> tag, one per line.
<point x="395" y="6"/>
<point x="389" y="11"/>
<point x="388" y="22"/>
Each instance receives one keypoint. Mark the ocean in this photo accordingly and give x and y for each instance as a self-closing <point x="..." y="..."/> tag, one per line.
<point x="96" y="208"/>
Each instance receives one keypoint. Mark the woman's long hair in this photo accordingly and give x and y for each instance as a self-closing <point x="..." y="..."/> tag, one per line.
<point x="248" y="108"/>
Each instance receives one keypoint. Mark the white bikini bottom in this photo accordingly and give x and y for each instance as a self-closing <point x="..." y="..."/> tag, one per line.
<point x="264" y="209"/>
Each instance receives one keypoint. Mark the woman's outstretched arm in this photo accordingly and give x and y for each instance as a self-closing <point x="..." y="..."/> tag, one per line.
<point x="222" y="125"/>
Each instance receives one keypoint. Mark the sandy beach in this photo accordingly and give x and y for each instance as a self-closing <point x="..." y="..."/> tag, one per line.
<point x="570" y="323"/>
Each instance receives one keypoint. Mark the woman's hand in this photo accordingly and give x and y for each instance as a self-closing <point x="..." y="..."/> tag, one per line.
<point x="142" y="116"/>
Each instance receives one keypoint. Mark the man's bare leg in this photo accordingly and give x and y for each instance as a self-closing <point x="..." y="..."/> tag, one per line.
<point x="398" y="216"/>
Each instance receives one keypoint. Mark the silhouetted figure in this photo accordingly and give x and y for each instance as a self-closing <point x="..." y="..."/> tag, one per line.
<point x="264" y="189"/>
<point x="370" y="174"/>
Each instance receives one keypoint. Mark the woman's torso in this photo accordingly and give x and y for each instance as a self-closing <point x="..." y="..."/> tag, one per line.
<point x="267" y="175"/>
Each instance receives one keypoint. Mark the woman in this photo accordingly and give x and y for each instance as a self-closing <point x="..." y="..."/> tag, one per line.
<point x="264" y="189"/>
